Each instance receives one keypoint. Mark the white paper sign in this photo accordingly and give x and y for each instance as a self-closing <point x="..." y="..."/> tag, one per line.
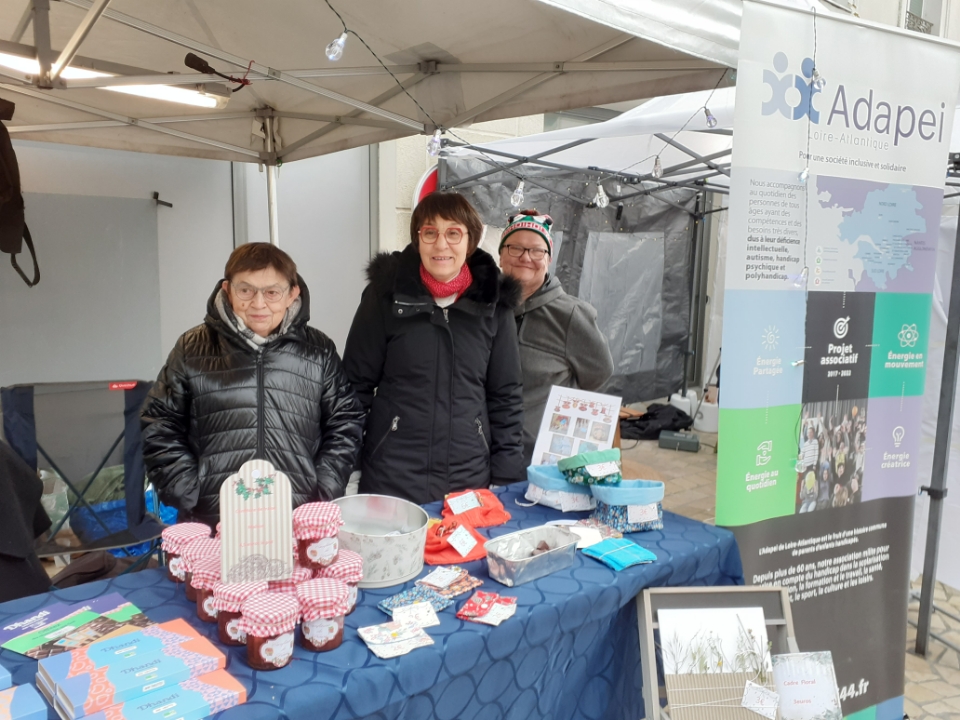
<point x="462" y="541"/>
<point x="256" y="524"/>
<point x="575" y="502"/>
<point x="440" y="578"/>
<point x="637" y="514"/>
<point x="498" y="613"/>
<point x="599" y="470"/>
<point x="760" y="700"/>
<point x="420" y="614"/>
<point x="588" y="536"/>
<point x="574" y="422"/>
<point x="807" y="686"/>
<point x="462" y="503"/>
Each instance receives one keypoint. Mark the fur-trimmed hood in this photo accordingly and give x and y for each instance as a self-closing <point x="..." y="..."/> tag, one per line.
<point x="398" y="274"/>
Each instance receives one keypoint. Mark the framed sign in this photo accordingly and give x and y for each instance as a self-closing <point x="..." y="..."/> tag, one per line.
<point x="256" y="524"/>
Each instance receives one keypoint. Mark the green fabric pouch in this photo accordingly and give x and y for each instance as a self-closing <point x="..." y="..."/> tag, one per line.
<point x="601" y="467"/>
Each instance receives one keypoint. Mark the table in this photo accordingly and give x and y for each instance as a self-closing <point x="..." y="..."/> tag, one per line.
<point x="571" y="651"/>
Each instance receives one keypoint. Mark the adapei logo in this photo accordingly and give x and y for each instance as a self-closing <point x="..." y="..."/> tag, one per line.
<point x="867" y="111"/>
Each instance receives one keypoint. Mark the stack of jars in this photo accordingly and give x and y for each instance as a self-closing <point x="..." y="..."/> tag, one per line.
<point x="175" y="539"/>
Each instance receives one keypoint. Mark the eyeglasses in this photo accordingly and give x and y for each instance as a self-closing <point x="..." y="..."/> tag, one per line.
<point x="517" y="251"/>
<point x="430" y="234"/>
<point x="249" y="292"/>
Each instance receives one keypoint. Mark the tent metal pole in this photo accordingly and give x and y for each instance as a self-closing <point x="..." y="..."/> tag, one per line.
<point x="713" y="166"/>
<point x="79" y="35"/>
<point x="269" y="127"/>
<point x="937" y="489"/>
<point x="24" y="22"/>
<point x="41" y="36"/>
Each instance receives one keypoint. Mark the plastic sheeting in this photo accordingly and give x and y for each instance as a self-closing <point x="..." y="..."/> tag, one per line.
<point x="643" y="215"/>
<point x="948" y="566"/>
<point x="622" y="278"/>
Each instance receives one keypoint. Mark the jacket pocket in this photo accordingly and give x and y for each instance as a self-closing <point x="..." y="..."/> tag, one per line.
<point x="394" y="424"/>
<point x="483" y="437"/>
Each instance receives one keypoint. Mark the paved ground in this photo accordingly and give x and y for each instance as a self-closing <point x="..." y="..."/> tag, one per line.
<point x="932" y="683"/>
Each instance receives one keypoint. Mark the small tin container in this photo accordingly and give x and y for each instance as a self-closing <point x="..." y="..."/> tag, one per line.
<point x="323" y="604"/>
<point x="316" y="527"/>
<point x="227" y="600"/>
<point x="511" y="560"/>
<point x="269" y="620"/>
<point x="348" y="569"/>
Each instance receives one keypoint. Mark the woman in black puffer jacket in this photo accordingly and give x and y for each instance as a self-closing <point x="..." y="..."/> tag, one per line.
<point x="253" y="381"/>
<point x="433" y="356"/>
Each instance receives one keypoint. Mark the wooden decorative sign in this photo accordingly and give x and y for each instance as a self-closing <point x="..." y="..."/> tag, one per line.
<point x="256" y="524"/>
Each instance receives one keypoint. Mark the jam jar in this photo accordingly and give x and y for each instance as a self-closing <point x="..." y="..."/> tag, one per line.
<point x="323" y="603"/>
<point x="348" y="569"/>
<point x="227" y="600"/>
<point x="316" y="527"/>
<point x="194" y="553"/>
<point x="204" y="576"/>
<point x="269" y="620"/>
<point x="289" y="586"/>
<point x="175" y="538"/>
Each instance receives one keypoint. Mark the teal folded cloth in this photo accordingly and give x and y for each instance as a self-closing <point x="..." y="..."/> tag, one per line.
<point x="619" y="553"/>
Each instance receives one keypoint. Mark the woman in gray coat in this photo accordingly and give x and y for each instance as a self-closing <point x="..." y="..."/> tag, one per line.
<point x="560" y="343"/>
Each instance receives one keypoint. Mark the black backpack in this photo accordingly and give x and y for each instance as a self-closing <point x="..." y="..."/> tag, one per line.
<point x="658" y="417"/>
<point x="13" y="226"/>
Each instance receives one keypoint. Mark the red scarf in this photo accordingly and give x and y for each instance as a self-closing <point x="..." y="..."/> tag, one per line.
<point x="458" y="286"/>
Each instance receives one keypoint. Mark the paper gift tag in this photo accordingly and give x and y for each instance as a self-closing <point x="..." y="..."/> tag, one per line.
<point x="760" y="700"/>
<point x="393" y="639"/>
<point x="588" y="536"/>
<point x="441" y="577"/>
<point x="420" y="614"/>
<point x="574" y="502"/>
<point x="534" y="493"/>
<point x="498" y="613"/>
<point x="462" y="541"/>
<point x="603" y="469"/>
<point x="637" y="514"/>
<point x="462" y="503"/>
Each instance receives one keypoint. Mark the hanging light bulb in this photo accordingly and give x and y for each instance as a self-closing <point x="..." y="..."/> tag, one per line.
<point x="335" y="48"/>
<point x="804" y="174"/>
<point x="711" y="118"/>
<point x="657" y="167"/>
<point x="619" y="187"/>
<point x="801" y="281"/>
<point x="816" y="79"/>
<point x="601" y="198"/>
<point x="434" y="144"/>
<point x="517" y="198"/>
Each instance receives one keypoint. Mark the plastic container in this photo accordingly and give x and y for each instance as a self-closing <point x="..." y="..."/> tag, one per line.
<point x="269" y="620"/>
<point x="316" y="526"/>
<point x="632" y="506"/>
<point x="708" y="417"/>
<point x="323" y="604"/>
<point x="348" y="569"/>
<point x="174" y="540"/>
<point x="227" y="600"/>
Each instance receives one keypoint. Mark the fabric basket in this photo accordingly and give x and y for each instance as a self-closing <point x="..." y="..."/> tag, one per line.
<point x="601" y="466"/>
<point x="632" y="506"/>
<point x="547" y="486"/>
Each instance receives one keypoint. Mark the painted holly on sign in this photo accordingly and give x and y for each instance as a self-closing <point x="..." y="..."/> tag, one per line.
<point x="261" y="487"/>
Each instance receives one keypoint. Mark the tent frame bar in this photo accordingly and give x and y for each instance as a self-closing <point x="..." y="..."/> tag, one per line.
<point x="24" y="23"/>
<point x="79" y="35"/>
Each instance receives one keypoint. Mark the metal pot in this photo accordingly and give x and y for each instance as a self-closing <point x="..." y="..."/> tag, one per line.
<point x="388" y="533"/>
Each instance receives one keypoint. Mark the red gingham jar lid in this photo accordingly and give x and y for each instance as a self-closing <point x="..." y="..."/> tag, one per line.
<point x="198" y="550"/>
<point x="322" y="598"/>
<point x="316" y="520"/>
<point x="348" y="568"/>
<point x="289" y="585"/>
<point x="269" y="614"/>
<point x="229" y="597"/>
<point x="176" y="537"/>
<point x="205" y="573"/>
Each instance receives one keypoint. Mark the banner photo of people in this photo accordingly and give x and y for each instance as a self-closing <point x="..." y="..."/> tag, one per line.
<point x="835" y="206"/>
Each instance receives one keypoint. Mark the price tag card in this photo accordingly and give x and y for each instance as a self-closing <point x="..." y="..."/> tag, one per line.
<point x="420" y="614"/>
<point x="462" y="503"/>
<point x="393" y="639"/>
<point x="575" y="502"/>
<point x="534" y="493"/>
<point x="462" y="541"/>
<point x="642" y="513"/>
<point x="498" y="613"/>
<point x="441" y="577"/>
<point x="588" y="536"/>
<point x="602" y="469"/>
<point x="760" y="700"/>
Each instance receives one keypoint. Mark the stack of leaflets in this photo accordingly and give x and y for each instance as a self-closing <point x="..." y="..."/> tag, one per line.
<point x="22" y="702"/>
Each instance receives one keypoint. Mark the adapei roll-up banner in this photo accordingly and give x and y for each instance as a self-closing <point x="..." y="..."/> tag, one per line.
<point x="842" y="130"/>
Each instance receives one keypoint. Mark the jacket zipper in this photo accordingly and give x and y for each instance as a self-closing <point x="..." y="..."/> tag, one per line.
<point x="482" y="436"/>
<point x="260" y="413"/>
<point x="393" y="428"/>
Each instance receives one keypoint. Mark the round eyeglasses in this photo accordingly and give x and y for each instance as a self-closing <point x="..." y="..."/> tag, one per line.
<point x="517" y="251"/>
<point x="249" y="292"/>
<point x="430" y="234"/>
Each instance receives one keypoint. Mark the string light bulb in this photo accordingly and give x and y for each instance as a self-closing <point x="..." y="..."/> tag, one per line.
<point x="657" y="167"/>
<point x="711" y="118"/>
<point x="619" y="187"/>
<point x="817" y="80"/>
<point x="434" y="143"/>
<point x="335" y="48"/>
<point x="804" y="174"/>
<point x="517" y="198"/>
<point x="601" y="198"/>
<point x="801" y="281"/>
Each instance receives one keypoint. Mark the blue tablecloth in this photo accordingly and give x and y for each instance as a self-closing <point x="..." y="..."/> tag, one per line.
<point x="571" y="650"/>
